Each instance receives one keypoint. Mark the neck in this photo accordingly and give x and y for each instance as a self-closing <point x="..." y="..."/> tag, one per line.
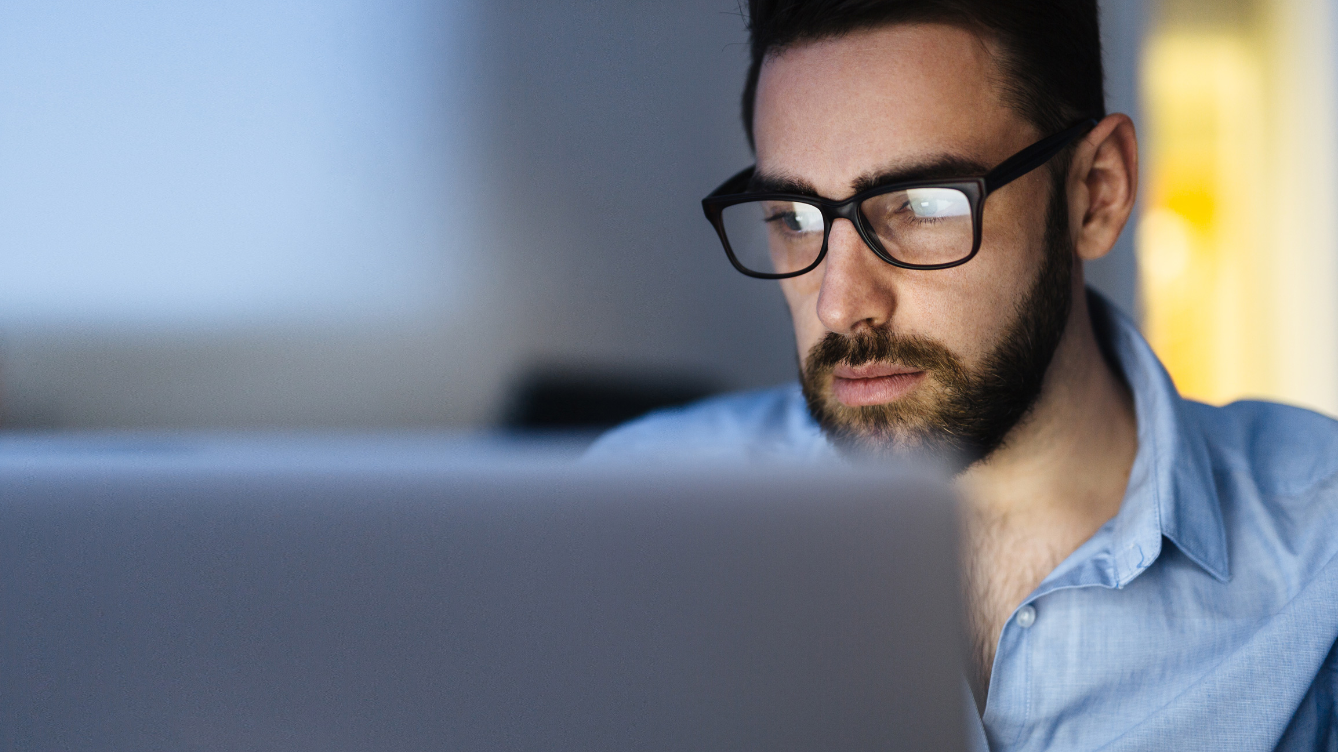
<point x="1069" y="459"/>
<point x="1060" y="476"/>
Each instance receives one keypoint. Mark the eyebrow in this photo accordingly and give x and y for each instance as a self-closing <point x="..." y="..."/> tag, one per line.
<point x="942" y="168"/>
<point x="764" y="183"/>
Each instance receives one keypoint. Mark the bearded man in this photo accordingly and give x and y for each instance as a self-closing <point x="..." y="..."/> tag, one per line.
<point x="1143" y="572"/>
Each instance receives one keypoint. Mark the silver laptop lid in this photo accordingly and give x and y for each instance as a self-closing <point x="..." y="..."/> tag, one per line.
<point x="294" y="595"/>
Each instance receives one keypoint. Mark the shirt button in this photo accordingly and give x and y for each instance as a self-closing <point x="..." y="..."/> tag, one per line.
<point x="1026" y="616"/>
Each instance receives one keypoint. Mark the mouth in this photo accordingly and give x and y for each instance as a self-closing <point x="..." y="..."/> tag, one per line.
<point x="873" y="384"/>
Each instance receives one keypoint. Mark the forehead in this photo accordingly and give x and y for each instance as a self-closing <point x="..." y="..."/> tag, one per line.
<point x="830" y="111"/>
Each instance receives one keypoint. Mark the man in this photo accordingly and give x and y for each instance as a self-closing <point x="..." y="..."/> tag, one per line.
<point x="1143" y="572"/>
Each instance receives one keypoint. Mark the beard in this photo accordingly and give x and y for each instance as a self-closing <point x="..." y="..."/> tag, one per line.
<point x="956" y="413"/>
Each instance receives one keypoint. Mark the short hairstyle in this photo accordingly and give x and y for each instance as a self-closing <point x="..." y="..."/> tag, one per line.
<point x="1050" y="49"/>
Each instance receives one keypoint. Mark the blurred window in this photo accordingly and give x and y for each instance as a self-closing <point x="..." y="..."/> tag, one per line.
<point x="1238" y="242"/>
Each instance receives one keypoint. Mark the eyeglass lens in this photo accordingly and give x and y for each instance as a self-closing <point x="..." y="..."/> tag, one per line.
<point x="921" y="226"/>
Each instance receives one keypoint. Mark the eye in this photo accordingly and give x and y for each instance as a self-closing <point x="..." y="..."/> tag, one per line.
<point x="795" y="217"/>
<point x="936" y="203"/>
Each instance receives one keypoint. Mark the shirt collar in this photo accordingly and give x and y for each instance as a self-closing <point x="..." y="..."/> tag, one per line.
<point x="1171" y="491"/>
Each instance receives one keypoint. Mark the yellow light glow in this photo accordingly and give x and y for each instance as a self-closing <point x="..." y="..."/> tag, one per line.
<point x="1198" y="237"/>
<point x="1169" y="242"/>
<point x="1237" y="244"/>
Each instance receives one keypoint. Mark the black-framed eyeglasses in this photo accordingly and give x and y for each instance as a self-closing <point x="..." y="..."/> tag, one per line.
<point x="920" y="224"/>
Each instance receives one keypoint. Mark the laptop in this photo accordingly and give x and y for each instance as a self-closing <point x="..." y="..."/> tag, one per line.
<point x="434" y="593"/>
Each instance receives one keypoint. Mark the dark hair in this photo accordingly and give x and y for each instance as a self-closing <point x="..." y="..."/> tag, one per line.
<point x="1050" y="49"/>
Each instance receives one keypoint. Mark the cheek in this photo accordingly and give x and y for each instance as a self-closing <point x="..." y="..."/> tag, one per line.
<point x="955" y="307"/>
<point x="970" y="307"/>
<point x="1013" y="239"/>
<point x="801" y="295"/>
<point x="967" y="308"/>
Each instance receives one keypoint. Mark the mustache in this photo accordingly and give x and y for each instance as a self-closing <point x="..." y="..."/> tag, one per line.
<point x="881" y="346"/>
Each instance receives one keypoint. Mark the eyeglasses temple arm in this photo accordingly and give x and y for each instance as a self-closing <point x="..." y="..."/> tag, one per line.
<point x="1038" y="154"/>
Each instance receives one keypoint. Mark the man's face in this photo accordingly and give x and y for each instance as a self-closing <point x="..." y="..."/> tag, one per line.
<point x="897" y="358"/>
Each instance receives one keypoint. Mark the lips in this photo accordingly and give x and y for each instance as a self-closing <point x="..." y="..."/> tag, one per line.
<point x="873" y="383"/>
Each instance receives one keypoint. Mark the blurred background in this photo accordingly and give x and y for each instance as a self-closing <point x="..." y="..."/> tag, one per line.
<point x="381" y="214"/>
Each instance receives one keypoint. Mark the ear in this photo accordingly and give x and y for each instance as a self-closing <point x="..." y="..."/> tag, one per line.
<point x="1102" y="186"/>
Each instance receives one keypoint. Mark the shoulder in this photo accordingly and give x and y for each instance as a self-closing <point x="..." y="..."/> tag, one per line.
<point x="1275" y="472"/>
<point x="1286" y="450"/>
<point x="743" y="425"/>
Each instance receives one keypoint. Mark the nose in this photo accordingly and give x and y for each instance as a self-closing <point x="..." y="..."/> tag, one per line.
<point x="855" y="294"/>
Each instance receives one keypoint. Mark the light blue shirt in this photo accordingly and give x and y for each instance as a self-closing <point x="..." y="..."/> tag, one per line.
<point x="1204" y="615"/>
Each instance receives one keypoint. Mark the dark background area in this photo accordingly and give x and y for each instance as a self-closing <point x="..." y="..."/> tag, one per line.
<point x="558" y="153"/>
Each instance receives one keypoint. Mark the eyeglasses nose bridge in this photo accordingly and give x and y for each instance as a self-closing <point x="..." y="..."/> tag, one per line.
<point x="849" y="211"/>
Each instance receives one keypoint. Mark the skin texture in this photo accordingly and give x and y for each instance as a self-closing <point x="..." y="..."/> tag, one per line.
<point x="832" y="111"/>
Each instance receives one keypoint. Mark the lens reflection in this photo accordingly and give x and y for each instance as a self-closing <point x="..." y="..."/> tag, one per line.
<point x="938" y="202"/>
<point x="922" y="225"/>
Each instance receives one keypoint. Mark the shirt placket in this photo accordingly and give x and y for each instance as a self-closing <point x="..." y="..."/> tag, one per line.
<point x="1007" y="711"/>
